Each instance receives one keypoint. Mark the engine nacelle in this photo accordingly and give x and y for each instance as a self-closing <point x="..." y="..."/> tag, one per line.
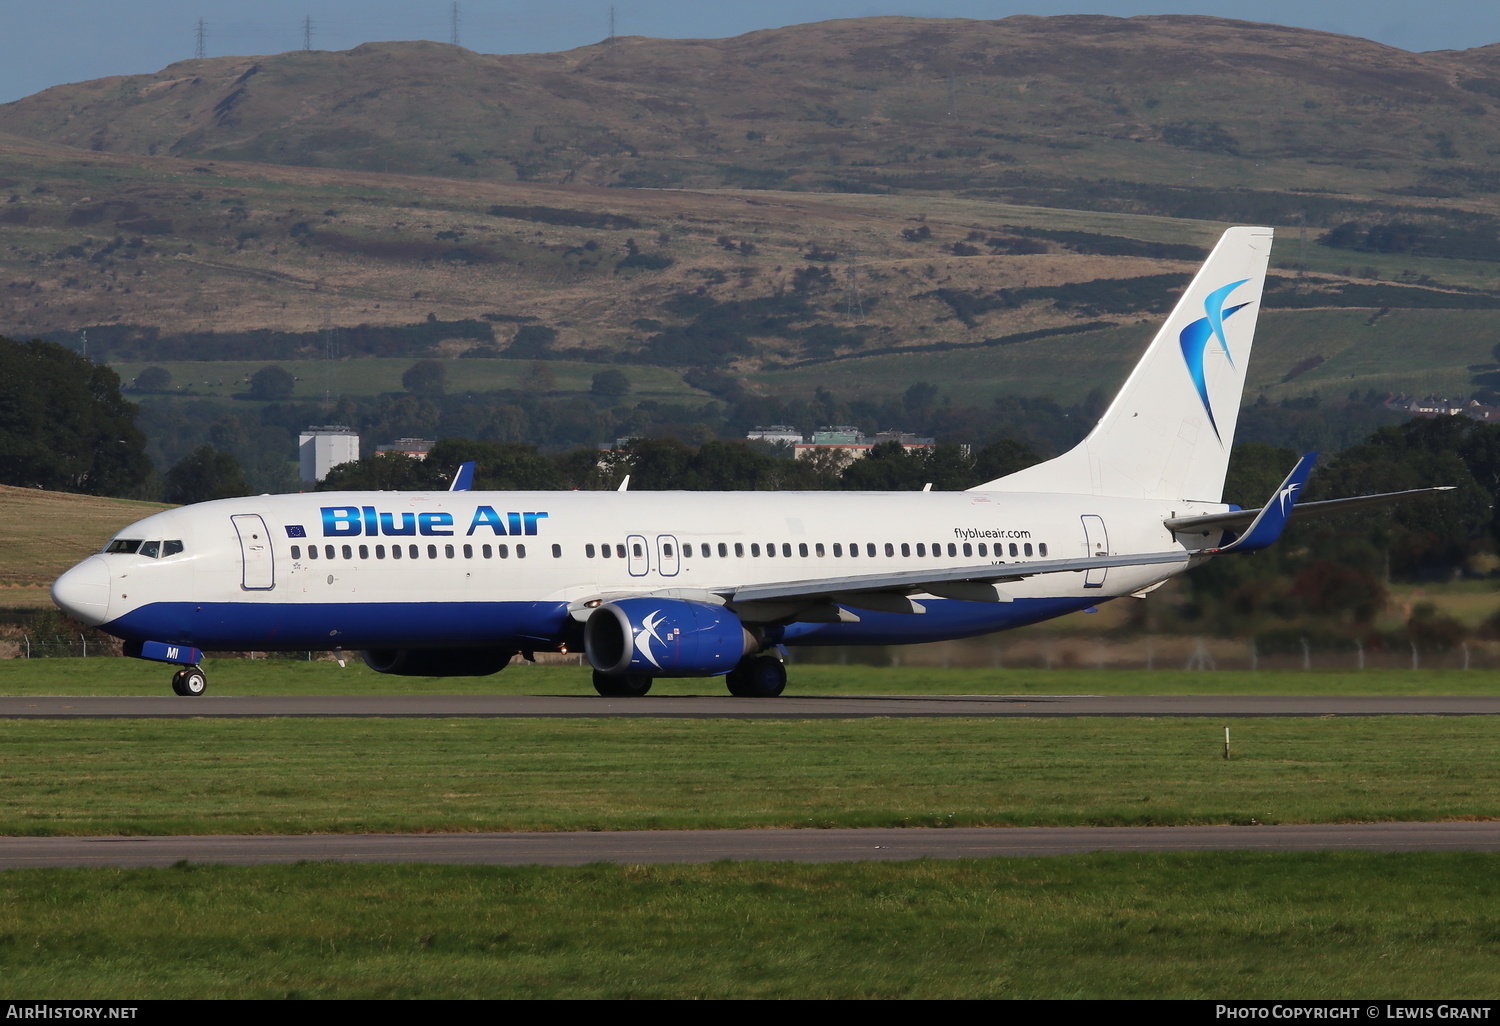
<point x="437" y="662"/>
<point x="665" y="638"/>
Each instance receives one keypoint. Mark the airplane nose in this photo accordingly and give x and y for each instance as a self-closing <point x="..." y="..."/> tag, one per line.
<point x="83" y="592"/>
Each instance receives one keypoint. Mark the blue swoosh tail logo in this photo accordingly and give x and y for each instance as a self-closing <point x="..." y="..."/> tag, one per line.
<point x="1195" y="337"/>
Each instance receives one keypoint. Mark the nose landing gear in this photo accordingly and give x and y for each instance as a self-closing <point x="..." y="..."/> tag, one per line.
<point x="189" y="682"/>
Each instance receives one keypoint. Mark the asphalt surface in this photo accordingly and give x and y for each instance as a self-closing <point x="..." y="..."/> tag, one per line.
<point x="640" y="847"/>
<point x="725" y="707"/>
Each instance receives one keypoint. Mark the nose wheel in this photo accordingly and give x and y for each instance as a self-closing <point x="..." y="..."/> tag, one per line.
<point x="189" y="683"/>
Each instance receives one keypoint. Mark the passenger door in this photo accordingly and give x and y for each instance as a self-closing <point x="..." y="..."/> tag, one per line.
<point x="259" y="573"/>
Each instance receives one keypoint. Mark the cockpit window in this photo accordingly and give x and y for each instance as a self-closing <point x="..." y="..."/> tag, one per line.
<point x="170" y="548"/>
<point x="123" y="545"/>
<point x="151" y="549"/>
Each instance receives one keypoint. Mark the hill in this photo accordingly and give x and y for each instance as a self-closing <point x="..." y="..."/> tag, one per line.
<point x="943" y="191"/>
<point x="44" y="533"/>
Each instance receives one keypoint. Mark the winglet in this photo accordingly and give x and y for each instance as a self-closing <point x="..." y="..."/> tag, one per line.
<point x="1268" y="525"/>
<point x="463" y="481"/>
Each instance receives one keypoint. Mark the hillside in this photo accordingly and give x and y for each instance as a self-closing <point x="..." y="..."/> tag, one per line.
<point x="44" y="533"/>
<point x="846" y="198"/>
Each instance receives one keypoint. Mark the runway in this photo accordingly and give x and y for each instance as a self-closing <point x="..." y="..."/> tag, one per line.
<point x="643" y="847"/>
<point x="726" y="707"/>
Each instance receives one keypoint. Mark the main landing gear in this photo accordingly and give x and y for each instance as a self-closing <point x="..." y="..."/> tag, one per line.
<point x="761" y="676"/>
<point x="630" y="685"/>
<point x="189" y="682"/>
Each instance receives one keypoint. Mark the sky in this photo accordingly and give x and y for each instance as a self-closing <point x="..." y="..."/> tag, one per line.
<point x="58" y="41"/>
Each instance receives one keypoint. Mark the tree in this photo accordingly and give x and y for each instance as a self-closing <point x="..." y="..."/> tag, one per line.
<point x="154" y="379"/>
<point x="386" y="471"/>
<point x="610" y="383"/>
<point x="272" y="383"/>
<point x="205" y="473"/>
<point x="531" y="342"/>
<point x="425" y="377"/>
<point x="64" y="425"/>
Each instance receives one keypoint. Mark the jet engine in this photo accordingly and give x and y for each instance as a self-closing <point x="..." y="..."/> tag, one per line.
<point x="665" y="638"/>
<point x="437" y="662"/>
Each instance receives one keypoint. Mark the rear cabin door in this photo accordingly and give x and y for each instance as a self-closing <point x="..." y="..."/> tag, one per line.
<point x="1096" y="539"/>
<point x="255" y="550"/>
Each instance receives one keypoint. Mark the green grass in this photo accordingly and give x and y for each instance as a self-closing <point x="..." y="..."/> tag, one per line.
<point x="377" y="375"/>
<point x="87" y="777"/>
<point x="1205" y="926"/>
<point x="110" y="676"/>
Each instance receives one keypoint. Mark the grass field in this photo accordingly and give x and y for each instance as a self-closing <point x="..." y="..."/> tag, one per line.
<point x="1221" y="926"/>
<point x="376" y="375"/>
<point x="86" y="777"/>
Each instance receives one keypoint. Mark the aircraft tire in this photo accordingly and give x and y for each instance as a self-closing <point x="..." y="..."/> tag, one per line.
<point x="762" y="676"/>
<point x="630" y="685"/>
<point x="189" y="683"/>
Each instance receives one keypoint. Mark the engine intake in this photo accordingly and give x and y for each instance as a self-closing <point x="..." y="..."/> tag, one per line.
<point x="665" y="638"/>
<point x="437" y="662"/>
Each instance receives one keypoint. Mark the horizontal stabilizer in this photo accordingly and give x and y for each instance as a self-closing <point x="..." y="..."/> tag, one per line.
<point x="1239" y="518"/>
<point x="1271" y="520"/>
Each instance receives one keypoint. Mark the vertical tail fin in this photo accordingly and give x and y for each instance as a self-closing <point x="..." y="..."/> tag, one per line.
<point x="1168" y="433"/>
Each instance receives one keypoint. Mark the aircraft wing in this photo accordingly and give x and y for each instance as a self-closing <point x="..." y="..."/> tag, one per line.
<point x="887" y="592"/>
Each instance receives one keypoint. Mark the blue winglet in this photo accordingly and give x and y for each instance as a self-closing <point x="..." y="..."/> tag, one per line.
<point x="1269" y="523"/>
<point x="463" y="481"/>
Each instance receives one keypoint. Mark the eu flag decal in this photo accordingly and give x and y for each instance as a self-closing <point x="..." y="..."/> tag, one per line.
<point x="295" y="531"/>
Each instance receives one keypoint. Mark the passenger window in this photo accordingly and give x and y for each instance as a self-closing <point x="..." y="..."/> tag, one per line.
<point x="818" y="548"/>
<point x="952" y="549"/>
<point x="520" y="551"/>
<point x="348" y="552"/>
<point x="588" y="550"/>
<point x="605" y="551"/>
<point x="312" y="552"/>
<point x="431" y="551"/>
<point x="448" y="551"/>
<point x="1041" y="548"/>
<point x="395" y="551"/>
<point x="468" y="551"/>
<point x="853" y="549"/>
<point x="968" y="549"/>
<point x="890" y="550"/>
<point x="755" y="548"/>
<point x="1028" y="548"/>
<point x="905" y="549"/>
<point x="556" y="551"/>
<point x="170" y="548"/>
<point x="739" y="550"/>
<point x="486" y="551"/>
<point x="635" y="550"/>
<point x="723" y="549"/>
<point x="620" y="551"/>
<point x="380" y="552"/>
<point x="838" y="550"/>
<point x="503" y="551"/>
<point x="921" y="549"/>
<point x="1013" y="550"/>
<point x="413" y="552"/>
<point x="705" y="549"/>
<point x="870" y="549"/>
<point x="296" y="551"/>
<point x="983" y="549"/>
<point x="328" y="551"/>
<point x="364" y="552"/>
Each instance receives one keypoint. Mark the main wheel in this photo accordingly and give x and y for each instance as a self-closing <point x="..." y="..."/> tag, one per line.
<point x="189" y="683"/>
<point x="630" y="685"/>
<point x="762" y="676"/>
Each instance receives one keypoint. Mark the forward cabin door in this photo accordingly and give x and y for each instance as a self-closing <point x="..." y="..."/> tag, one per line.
<point x="255" y="550"/>
<point x="639" y="555"/>
<point x="1096" y="539"/>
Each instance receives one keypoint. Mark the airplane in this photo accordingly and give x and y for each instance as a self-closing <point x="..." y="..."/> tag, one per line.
<point x="706" y="584"/>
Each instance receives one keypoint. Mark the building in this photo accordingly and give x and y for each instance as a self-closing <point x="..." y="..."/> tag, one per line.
<point x="777" y="434"/>
<point x="849" y="444"/>
<point x="320" y="449"/>
<point x="416" y="448"/>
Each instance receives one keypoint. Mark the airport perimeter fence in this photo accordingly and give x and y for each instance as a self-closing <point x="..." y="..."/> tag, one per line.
<point x="1157" y="652"/>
